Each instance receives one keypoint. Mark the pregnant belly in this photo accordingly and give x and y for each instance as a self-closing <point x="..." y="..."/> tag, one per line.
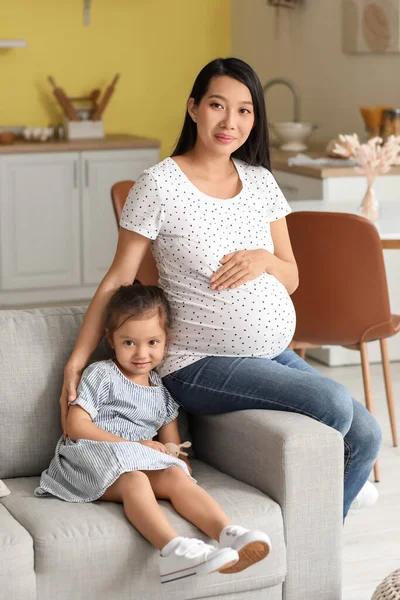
<point x="256" y="319"/>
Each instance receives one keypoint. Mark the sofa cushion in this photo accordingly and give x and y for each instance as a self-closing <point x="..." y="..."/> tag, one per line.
<point x="17" y="575"/>
<point x="35" y="346"/>
<point x="93" y="550"/>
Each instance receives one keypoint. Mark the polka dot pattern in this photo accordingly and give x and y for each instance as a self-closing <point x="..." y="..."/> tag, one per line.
<point x="191" y="233"/>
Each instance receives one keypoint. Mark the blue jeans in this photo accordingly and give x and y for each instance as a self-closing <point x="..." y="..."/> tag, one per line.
<point x="219" y="384"/>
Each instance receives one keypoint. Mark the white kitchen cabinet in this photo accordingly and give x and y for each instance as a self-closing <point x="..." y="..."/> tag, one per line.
<point x="58" y="232"/>
<point x="39" y="216"/>
<point x="299" y="187"/>
<point x="99" y="170"/>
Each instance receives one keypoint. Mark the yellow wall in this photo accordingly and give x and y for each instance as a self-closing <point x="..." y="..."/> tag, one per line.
<point x="158" y="46"/>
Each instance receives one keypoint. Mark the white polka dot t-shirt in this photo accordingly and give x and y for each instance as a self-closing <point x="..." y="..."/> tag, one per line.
<point x="191" y="232"/>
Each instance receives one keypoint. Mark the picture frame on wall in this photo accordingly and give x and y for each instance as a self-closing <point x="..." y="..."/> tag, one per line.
<point x="371" y="26"/>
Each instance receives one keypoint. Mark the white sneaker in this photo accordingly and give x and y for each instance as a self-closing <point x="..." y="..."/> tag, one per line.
<point x="189" y="556"/>
<point x="366" y="497"/>
<point x="252" y="546"/>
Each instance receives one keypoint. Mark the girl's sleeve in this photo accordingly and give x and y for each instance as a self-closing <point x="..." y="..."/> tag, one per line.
<point x="143" y="211"/>
<point x="171" y="405"/>
<point x="277" y="206"/>
<point x="93" y="389"/>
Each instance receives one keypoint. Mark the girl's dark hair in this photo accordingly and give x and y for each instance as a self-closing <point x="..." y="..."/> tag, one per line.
<point x="255" y="151"/>
<point x="134" y="301"/>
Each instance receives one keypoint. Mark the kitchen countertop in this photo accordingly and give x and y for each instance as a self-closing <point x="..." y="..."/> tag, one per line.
<point x="279" y="162"/>
<point x="109" y="142"/>
<point x="279" y="158"/>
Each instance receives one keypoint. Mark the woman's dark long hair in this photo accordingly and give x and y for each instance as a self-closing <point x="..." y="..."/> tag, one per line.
<point x="255" y="151"/>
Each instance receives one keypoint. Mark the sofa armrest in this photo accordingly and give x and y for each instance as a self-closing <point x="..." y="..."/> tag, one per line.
<point x="298" y="462"/>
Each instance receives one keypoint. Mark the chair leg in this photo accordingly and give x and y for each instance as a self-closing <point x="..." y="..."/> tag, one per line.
<point x="368" y="391"/>
<point x="389" y="389"/>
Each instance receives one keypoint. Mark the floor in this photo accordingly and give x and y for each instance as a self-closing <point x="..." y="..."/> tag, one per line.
<point x="372" y="535"/>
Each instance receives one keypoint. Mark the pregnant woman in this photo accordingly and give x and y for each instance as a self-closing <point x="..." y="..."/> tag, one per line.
<point x="216" y="220"/>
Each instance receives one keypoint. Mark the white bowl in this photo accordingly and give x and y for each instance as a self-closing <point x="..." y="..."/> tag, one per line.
<point x="293" y="135"/>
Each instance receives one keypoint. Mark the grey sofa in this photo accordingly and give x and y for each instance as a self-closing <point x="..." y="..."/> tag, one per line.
<point x="275" y="471"/>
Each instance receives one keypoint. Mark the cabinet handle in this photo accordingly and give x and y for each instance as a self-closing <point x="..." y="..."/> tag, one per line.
<point x="75" y="174"/>
<point x="86" y="173"/>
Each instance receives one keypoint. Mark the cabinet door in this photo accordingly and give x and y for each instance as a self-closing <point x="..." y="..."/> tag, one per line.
<point x="299" y="187"/>
<point x="39" y="221"/>
<point x="99" y="171"/>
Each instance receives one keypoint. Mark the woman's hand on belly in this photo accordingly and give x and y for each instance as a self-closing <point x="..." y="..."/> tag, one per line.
<point x="239" y="267"/>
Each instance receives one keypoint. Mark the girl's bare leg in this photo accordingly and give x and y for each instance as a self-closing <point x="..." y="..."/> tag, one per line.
<point x="141" y="507"/>
<point x="189" y="500"/>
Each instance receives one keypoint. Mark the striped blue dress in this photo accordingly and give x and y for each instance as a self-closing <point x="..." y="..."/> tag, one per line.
<point x="82" y="470"/>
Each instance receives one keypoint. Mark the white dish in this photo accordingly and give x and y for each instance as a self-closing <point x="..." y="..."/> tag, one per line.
<point x="293" y="135"/>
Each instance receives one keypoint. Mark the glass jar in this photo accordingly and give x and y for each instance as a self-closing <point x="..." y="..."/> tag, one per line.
<point x="391" y="122"/>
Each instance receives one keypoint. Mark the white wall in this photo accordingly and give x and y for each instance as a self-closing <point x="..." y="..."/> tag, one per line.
<point x="308" y="50"/>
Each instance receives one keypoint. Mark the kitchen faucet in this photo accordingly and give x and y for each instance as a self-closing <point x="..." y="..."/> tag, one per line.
<point x="293" y="89"/>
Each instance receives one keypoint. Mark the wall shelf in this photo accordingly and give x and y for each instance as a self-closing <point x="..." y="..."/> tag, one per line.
<point x="13" y="43"/>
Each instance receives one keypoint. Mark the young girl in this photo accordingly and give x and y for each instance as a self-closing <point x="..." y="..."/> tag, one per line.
<point x="110" y="453"/>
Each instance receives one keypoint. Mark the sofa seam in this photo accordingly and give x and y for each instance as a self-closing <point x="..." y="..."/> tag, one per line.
<point x="19" y="523"/>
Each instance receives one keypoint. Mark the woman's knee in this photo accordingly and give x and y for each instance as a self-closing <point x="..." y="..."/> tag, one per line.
<point x="338" y="405"/>
<point x="365" y="435"/>
<point x="374" y="436"/>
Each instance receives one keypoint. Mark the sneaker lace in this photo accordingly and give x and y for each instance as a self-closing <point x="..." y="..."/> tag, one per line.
<point x="193" y="548"/>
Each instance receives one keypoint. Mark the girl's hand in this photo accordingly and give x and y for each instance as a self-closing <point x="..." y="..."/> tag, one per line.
<point x="68" y="394"/>
<point x="239" y="267"/>
<point x="155" y="445"/>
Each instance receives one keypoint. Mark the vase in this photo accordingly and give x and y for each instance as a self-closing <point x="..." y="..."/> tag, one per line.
<point x="370" y="206"/>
